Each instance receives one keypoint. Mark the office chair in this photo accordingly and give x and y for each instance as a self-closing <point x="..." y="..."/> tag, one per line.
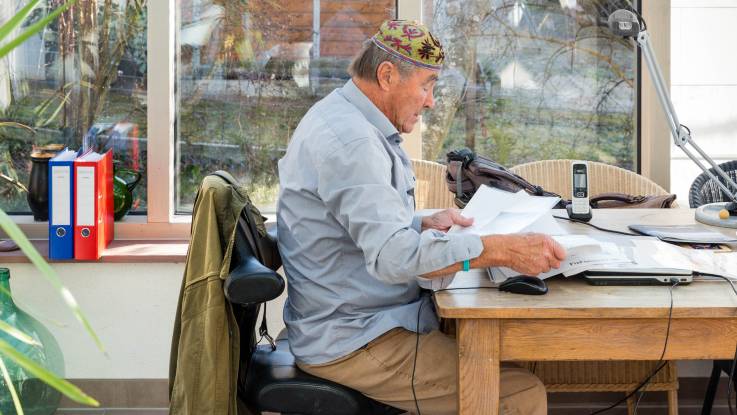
<point x="704" y="190"/>
<point x="269" y="379"/>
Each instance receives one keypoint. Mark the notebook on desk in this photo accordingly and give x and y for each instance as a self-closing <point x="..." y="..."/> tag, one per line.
<point x="694" y="234"/>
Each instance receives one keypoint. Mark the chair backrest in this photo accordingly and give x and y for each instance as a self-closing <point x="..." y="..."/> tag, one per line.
<point x="555" y="176"/>
<point x="704" y="190"/>
<point x="431" y="192"/>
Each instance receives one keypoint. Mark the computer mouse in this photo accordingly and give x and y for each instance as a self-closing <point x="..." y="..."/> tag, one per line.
<point x="524" y="284"/>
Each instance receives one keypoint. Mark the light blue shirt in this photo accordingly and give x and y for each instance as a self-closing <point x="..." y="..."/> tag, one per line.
<point x="349" y="239"/>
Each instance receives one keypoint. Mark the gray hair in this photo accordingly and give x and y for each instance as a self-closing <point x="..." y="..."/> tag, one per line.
<point x="367" y="61"/>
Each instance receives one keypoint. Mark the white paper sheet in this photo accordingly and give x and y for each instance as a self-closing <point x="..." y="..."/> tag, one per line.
<point x="498" y="212"/>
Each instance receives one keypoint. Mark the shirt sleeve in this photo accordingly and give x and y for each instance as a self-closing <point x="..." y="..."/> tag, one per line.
<point x="354" y="181"/>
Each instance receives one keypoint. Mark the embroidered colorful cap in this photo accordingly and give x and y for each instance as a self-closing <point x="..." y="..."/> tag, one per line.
<point x="410" y="41"/>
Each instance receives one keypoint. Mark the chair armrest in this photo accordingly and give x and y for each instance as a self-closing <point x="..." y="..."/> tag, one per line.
<point x="250" y="281"/>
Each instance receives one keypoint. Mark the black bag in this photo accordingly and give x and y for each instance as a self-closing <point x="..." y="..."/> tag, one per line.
<point x="254" y="228"/>
<point x="467" y="171"/>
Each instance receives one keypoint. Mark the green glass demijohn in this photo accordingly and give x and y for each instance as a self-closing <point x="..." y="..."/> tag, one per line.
<point x="37" y="398"/>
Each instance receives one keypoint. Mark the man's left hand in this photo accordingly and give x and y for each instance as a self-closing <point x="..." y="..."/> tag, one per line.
<point x="444" y="219"/>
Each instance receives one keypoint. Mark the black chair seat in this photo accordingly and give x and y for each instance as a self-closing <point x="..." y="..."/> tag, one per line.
<point x="275" y="383"/>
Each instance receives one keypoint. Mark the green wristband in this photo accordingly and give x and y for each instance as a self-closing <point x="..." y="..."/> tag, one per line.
<point x="467" y="265"/>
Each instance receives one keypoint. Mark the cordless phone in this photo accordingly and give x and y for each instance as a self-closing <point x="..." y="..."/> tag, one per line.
<point x="579" y="207"/>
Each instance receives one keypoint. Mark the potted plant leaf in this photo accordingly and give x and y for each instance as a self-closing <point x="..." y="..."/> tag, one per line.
<point x="8" y="353"/>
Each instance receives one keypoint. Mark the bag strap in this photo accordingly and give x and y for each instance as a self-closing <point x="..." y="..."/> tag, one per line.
<point x="464" y="156"/>
<point x="263" y="330"/>
<point x="620" y="197"/>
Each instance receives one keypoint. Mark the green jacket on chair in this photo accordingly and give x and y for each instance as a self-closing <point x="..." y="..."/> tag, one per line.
<point x="203" y="369"/>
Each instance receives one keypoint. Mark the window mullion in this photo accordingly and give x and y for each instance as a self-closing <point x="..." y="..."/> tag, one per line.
<point x="161" y="110"/>
<point x="412" y="10"/>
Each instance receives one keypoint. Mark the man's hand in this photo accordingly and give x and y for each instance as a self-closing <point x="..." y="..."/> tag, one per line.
<point x="444" y="219"/>
<point x="527" y="253"/>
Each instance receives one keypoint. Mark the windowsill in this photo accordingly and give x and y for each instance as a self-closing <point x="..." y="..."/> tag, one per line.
<point x="135" y="241"/>
<point x="119" y="251"/>
<point x="130" y="228"/>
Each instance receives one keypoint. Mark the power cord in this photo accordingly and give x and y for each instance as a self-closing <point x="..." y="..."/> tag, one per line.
<point x="661" y="363"/>
<point x="465" y="288"/>
<point x="417" y="338"/>
<point x="596" y="227"/>
<point x="665" y="346"/>
<point x="731" y="380"/>
<point x="417" y="346"/>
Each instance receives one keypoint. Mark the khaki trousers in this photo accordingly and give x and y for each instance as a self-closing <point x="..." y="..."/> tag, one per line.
<point x="382" y="370"/>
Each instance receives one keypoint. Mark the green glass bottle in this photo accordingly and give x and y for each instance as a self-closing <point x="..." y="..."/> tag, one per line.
<point x="36" y="397"/>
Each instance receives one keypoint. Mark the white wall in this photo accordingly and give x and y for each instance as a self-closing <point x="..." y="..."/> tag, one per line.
<point x="130" y="306"/>
<point x="703" y="83"/>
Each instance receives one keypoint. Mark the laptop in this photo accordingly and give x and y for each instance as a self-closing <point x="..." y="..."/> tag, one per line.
<point x="641" y="277"/>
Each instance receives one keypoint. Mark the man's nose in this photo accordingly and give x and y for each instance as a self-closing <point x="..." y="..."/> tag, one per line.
<point x="430" y="100"/>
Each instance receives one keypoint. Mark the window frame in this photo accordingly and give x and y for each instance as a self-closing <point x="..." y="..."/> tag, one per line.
<point x="161" y="222"/>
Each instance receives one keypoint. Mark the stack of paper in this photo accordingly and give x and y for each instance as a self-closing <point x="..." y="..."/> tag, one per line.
<point x="582" y="253"/>
<point x="497" y="212"/>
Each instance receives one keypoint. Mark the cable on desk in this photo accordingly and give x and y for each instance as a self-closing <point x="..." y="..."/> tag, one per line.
<point x="661" y="363"/>
<point x="465" y="288"/>
<point x="731" y="281"/>
<point x="596" y="227"/>
<point x="665" y="346"/>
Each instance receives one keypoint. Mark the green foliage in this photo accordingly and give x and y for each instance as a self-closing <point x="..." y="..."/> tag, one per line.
<point x="14" y="21"/>
<point x="245" y="135"/>
<point x="12" y="230"/>
<point x="516" y="132"/>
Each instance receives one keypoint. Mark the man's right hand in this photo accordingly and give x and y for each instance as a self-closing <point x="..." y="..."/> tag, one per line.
<point x="528" y="253"/>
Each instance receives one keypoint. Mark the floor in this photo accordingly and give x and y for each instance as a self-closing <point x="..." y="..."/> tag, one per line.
<point x="149" y="397"/>
<point x="113" y="411"/>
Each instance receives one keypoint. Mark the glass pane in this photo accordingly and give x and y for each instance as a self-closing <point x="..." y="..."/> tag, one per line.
<point x="83" y="73"/>
<point x="532" y="80"/>
<point x="246" y="74"/>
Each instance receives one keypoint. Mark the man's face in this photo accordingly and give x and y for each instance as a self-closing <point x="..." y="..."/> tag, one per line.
<point x="410" y="95"/>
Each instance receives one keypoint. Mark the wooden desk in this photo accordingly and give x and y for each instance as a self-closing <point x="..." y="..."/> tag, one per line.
<point x="577" y="321"/>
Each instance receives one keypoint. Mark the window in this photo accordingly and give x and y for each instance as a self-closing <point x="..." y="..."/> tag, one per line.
<point x="84" y="73"/>
<point x="246" y="74"/>
<point x="230" y="80"/>
<point x="532" y="80"/>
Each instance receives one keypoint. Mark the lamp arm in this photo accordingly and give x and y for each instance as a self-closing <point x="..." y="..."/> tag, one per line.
<point x="681" y="135"/>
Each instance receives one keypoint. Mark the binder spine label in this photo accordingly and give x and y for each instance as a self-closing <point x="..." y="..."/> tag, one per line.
<point x="61" y="192"/>
<point x="85" y="203"/>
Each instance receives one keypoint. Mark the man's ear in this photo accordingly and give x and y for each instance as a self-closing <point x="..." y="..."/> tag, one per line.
<point x="386" y="75"/>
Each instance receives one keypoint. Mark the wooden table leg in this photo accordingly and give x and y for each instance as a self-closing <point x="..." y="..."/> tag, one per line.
<point x="478" y="366"/>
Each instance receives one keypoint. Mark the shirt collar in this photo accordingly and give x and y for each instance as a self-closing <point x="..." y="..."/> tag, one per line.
<point x="356" y="97"/>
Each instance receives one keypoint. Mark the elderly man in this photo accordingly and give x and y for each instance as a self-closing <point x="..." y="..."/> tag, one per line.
<point x="352" y="245"/>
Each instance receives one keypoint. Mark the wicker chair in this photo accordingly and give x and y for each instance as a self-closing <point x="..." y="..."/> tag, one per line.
<point x="586" y="376"/>
<point x="431" y="192"/>
<point x="704" y="190"/>
<point x="555" y="176"/>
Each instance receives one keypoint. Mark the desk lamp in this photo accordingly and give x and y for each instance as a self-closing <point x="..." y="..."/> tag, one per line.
<point x="626" y="23"/>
